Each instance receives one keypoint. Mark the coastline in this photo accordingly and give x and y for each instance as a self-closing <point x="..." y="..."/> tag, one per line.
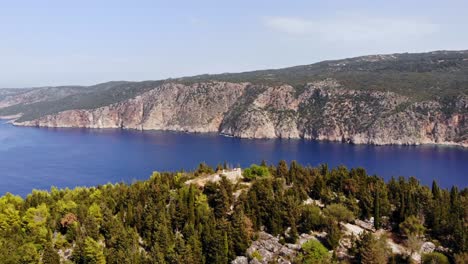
<point x="11" y="118"/>
<point x="438" y="144"/>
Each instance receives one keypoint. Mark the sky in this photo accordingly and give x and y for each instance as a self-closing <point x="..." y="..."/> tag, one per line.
<point x="50" y="43"/>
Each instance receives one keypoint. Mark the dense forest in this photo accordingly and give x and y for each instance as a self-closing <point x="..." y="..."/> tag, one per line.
<point x="166" y="220"/>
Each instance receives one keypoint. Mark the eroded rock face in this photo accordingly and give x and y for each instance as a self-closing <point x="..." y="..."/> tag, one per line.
<point x="195" y="108"/>
<point x="267" y="249"/>
<point x="322" y="110"/>
<point x="326" y="111"/>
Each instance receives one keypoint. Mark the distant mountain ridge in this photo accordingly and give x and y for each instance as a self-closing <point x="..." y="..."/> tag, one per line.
<point x="378" y="99"/>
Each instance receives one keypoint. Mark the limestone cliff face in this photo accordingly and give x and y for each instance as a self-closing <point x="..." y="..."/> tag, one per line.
<point x="322" y="110"/>
<point x="326" y="111"/>
<point x="194" y="108"/>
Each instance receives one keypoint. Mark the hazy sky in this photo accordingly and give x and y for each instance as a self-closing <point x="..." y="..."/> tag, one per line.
<point x="87" y="42"/>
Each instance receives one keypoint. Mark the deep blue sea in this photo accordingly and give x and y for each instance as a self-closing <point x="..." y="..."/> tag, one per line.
<point x="38" y="158"/>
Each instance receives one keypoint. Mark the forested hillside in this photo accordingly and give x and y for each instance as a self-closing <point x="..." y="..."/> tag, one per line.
<point x="420" y="76"/>
<point x="306" y="211"/>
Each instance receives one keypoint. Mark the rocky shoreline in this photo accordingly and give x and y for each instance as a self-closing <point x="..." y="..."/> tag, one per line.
<point x="324" y="111"/>
<point x="447" y="144"/>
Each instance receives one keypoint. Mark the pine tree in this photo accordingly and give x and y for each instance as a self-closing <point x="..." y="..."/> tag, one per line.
<point x="239" y="235"/>
<point x="219" y="196"/>
<point x="157" y="254"/>
<point x="195" y="244"/>
<point x="371" y="250"/>
<point x="50" y="256"/>
<point x="459" y="239"/>
<point x="210" y="241"/>
<point x="181" y="251"/>
<point x="93" y="252"/>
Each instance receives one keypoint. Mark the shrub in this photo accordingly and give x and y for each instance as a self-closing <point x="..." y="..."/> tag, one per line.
<point x="434" y="258"/>
<point x="311" y="218"/>
<point x="339" y="212"/>
<point x="256" y="171"/>
<point x="314" y="252"/>
<point x="461" y="258"/>
<point x="256" y="255"/>
<point x="412" y="226"/>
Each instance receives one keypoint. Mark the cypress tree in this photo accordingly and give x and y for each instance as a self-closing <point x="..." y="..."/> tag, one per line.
<point x="293" y="234"/>
<point x="293" y="172"/>
<point x="282" y="170"/>
<point x="377" y="220"/>
<point x="460" y="237"/>
<point x="435" y="190"/>
<point x="402" y="211"/>
<point x="334" y="235"/>
<point x="324" y="169"/>
<point x="317" y="187"/>
<point x="225" y="256"/>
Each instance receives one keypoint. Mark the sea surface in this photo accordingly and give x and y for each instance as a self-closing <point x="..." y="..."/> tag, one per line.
<point x="38" y="158"/>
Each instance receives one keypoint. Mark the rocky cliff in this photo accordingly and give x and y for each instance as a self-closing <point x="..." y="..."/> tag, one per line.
<point x="193" y="108"/>
<point x="419" y="98"/>
<point x="324" y="110"/>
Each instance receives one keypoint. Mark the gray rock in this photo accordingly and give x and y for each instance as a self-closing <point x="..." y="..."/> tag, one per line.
<point x="240" y="260"/>
<point x="427" y="247"/>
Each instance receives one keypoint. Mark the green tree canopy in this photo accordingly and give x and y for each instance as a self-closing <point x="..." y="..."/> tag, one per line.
<point x="256" y="171"/>
<point x="339" y="213"/>
<point x="314" y="252"/>
<point x="412" y="226"/>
